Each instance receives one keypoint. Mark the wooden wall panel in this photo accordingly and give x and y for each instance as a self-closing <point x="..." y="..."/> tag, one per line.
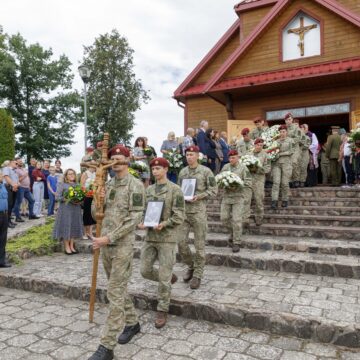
<point x="250" y="19"/>
<point x="353" y="5"/>
<point x="218" y="60"/>
<point x="341" y="41"/>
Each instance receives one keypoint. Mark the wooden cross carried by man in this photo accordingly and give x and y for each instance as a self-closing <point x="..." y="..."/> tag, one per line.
<point x="98" y="187"/>
<point x="301" y="31"/>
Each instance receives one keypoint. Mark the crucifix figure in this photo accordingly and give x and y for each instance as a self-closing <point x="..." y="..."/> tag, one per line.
<point x="301" y="31"/>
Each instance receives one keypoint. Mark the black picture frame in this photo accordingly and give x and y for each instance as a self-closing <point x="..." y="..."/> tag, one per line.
<point x="188" y="188"/>
<point x="153" y="213"/>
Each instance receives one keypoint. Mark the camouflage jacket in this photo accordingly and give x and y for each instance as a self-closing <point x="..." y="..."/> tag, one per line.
<point x="205" y="187"/>
<point x="305" y="142"/>
<point x="265" y="163"/>
<point x="287" y="149"/>
<point x="256" y="133"/>
<point x="124" y="206"/>
<point x="295" y="133"/>
<point x="244" y="174"/>
<point x="173" y="213"/>
<point x="244" y="147"/>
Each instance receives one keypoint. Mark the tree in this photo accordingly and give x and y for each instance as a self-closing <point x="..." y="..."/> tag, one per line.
<point x="7" y="137"/>
<point x="114" y="92"/>
<point x="36" y="90"/>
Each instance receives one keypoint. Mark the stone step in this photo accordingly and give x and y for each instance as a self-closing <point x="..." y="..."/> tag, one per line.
<point x="301" y="231"/>
<point x="298" y="201"/>
<point x="324" y="309"/>
<point x="274" y="260"/>
<point x="300" y="210"/>
<point x="322" y="220"/>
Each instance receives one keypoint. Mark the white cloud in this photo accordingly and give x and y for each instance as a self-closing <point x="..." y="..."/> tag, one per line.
<point x="169" y="38"/>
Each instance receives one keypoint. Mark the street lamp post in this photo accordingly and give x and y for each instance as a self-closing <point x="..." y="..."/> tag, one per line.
<point x="84" y="72"/>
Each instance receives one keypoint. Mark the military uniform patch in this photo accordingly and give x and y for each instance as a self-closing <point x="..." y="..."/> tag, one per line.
<point x="137" y="199"/>
<point x="179" y="202"/>
<point x="112" y="194"/>
<point x="212" y="181"/>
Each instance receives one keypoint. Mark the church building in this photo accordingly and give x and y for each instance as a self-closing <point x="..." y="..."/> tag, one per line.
<point x="280" y="56"/>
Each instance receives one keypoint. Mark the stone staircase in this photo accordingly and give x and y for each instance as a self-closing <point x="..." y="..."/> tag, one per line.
<point x="298" y="274"/>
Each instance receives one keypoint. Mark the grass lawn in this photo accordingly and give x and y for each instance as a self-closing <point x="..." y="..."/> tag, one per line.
<point x="36" y="241"/>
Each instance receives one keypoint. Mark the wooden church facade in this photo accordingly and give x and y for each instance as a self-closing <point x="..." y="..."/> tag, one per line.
<point x="301" y="56"/>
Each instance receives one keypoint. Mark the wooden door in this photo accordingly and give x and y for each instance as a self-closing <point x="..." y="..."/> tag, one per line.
<point x="355" y="118"/>
<point x="234" y="128"/>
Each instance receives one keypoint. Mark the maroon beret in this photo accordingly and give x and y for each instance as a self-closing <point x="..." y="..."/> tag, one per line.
<point x="159" y="161"/>
<point x="89" y="148"/>
<point x="282" y="127"/>
<point x="288" y="115"/>
<point x="233" y="153"/>
<point x="99" y="144"/>
<point x="245" y="131"/>
<point x="119" y="150"/>
<point x="258" y="140"/>
<point x="192" y="148"/>
<point x="258" y="119"/>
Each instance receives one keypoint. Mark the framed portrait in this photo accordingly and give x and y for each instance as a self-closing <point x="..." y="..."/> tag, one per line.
<point x="188" y="187"/>
<point x="153" y="213"/>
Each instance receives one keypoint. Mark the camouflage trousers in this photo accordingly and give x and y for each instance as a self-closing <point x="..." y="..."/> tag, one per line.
<point x="247" y="194"/>
<point x="258" y="193"/>
<point x="325" y="172"/>
<point x="166" y="254"/>
<point x="198" y="223"/>
<point x="281" y="177"/>
<point x="303" y="164"/>
<point x="117" y="262"/>
<point x="295" y="159"/>
<point x="231" y="216"/>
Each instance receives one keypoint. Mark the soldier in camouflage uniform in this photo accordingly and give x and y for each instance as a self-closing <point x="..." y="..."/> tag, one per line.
<point x="294" y="132"/>
<point x="245" y="145"/>
<point x="161" y="241"/>
<point x="232" y="204"/>
<point x="124" y="206"/>
<point x="282" y="169"/>
<point x="196" y="218"/>
<point x="304" y="158"/>
<point x="259" y="128"/>
<point x="258" y="180"/>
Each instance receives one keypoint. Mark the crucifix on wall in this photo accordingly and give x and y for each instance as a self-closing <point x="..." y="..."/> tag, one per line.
<point x="301" y="31"/>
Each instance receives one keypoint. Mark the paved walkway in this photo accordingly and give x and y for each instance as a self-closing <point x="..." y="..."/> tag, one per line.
<point x="43" y="327"/>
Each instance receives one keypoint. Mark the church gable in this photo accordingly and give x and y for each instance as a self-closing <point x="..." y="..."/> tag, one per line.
<point x="339" y="39"/>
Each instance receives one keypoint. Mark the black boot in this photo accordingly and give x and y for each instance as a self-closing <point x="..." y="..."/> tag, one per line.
<point x="19" y="219"/>
<point x="284" y="204"/>
<point x="296" y="184"/>
<point x="102" y="353"/>
<point x="274" y="204"/>
<point x="291" y="184"/>
<point x="128" y="333"/>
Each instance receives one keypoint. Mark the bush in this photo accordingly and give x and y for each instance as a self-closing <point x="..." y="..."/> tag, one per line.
<point x="7" y="137"/>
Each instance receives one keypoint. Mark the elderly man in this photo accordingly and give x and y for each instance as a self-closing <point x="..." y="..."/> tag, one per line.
<point x="200" y="138"/>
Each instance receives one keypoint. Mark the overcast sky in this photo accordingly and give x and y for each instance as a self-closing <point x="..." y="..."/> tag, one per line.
<point x="169" y="38"/>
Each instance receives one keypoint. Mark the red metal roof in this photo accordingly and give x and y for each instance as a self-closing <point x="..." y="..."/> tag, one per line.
<point x="336" y="67"/>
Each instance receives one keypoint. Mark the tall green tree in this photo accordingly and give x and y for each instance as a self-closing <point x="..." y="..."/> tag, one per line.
<point x="37" y="91"/>
<point x="114" y="91"/>
<point x="7" y="136"/>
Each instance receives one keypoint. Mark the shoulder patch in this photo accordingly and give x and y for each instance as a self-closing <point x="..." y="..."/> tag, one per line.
<point x="179" y="203"/>
<point x="112" y="194"/>
<point x="212" y="181"/>
<point x="137" y="199"/>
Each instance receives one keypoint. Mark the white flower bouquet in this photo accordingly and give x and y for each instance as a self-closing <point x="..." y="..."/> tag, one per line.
<point x="273" y="151"/>
<point x="270" y="135"/>
<point x="175" y="160"/>
<point x="251" y="161"/>
<point x="229" y="181"/>
<point x="140" y="166"/>
<point x="202" y="159"/>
